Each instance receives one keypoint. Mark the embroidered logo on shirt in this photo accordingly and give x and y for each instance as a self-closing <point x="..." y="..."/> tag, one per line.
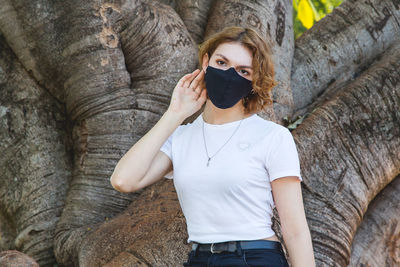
<point x="243" y="145"/>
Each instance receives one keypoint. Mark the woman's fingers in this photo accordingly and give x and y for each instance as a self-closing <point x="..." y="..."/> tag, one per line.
<point x="189" y="93"/>
<point x="194" y="83"/>
<point x="200" y="86"/>
<point x="189" y="79"/>
<point x="202" y="97"/>
<point x="197" y="80"/>
<point x="182" y="80"/>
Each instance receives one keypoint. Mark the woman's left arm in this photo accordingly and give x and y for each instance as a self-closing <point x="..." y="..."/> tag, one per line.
<point x="296" y="234"/>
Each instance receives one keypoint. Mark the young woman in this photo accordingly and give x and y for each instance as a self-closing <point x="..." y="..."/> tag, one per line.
<point x="230" y="167"/>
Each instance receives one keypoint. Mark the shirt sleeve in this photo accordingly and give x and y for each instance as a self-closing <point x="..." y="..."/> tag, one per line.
<point x="282" y="157"/>
<point x="167" y="149"/>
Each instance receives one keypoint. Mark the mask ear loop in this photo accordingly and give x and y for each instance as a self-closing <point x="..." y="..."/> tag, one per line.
<point x="246" y="99"/>
<point x="205" y="71"/>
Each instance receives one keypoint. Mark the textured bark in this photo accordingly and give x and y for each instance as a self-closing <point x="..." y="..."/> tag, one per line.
<point x="152" y="232"/>
<point x="154" y="52"/>
<point x="108" y="107"/>
<point x="89" y="79"/>
<point x="35" y="168"/>
<point x="194" y="14"/>
<point x="379" y="232"/>
<point x="16" y="258"/>
<point x="348" y="152"/>
<point x="340" y="47"/>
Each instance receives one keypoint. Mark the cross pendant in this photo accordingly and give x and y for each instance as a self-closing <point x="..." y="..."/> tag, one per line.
<point x="208" y="161"/>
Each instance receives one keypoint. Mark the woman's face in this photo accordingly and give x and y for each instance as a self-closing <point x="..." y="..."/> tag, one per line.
<point x="232" y="54"/>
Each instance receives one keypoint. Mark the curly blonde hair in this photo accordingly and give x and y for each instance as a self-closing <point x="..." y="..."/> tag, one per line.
<point x="263" y="68"/>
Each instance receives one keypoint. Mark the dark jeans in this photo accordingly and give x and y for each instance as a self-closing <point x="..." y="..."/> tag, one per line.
<point x="240" y="258"/>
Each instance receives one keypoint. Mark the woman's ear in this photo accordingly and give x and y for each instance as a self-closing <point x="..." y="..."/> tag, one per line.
<point x="205" y="62"/>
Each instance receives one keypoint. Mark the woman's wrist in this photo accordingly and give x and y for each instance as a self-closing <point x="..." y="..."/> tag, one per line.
<point x="173" y="117"/>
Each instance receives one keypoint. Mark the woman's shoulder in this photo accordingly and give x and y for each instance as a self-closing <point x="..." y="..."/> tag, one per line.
<point x="267" y="126"/>
<point x="184" y="128"/>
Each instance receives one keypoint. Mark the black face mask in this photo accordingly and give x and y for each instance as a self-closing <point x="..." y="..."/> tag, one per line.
<point x="226" y="87"/>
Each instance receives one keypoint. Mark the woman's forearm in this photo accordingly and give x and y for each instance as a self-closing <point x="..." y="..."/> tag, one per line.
<point x="300" y="249"/>
<point x="135" y="163"/>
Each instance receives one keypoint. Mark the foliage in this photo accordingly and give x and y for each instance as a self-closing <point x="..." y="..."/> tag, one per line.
<point x="307" y="12"/>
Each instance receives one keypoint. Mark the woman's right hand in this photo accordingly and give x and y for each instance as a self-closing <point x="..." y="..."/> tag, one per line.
<point x="189" y="94"/>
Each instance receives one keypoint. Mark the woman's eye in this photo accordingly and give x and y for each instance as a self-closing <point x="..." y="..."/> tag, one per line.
<point x="245" y="72"/>
<point x="219" y="62"/>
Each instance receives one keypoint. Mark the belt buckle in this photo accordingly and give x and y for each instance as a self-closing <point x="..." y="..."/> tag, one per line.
<point x="215" y="251"/>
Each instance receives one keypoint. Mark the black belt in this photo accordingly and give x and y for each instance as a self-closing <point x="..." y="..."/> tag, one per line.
<point x="231" y="246"/>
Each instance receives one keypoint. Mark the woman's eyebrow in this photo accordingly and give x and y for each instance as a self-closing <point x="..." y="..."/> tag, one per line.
<point x="242" y="66"/>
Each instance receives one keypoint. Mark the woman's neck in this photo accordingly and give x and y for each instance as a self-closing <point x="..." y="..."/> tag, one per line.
<point x="214" y="115"/>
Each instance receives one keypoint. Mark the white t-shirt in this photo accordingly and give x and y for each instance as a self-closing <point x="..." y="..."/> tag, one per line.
<point x="231" y="198"/>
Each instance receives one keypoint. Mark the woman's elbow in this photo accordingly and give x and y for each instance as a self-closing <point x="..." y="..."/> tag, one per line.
<point x="121" y="185"/>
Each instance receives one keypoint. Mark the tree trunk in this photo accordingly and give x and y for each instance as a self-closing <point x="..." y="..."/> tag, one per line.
<point x="379" y="232"/>
<point x="348" y="155"/>
<point x="340" y="47"/>
<point x="82" y="81"/>
<point x="34" y="163"/>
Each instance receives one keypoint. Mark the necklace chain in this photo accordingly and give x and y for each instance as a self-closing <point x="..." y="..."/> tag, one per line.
<point x="209" y="158"/>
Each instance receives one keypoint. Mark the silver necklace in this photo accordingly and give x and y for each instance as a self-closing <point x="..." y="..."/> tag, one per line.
<point x="209" y="158"/>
